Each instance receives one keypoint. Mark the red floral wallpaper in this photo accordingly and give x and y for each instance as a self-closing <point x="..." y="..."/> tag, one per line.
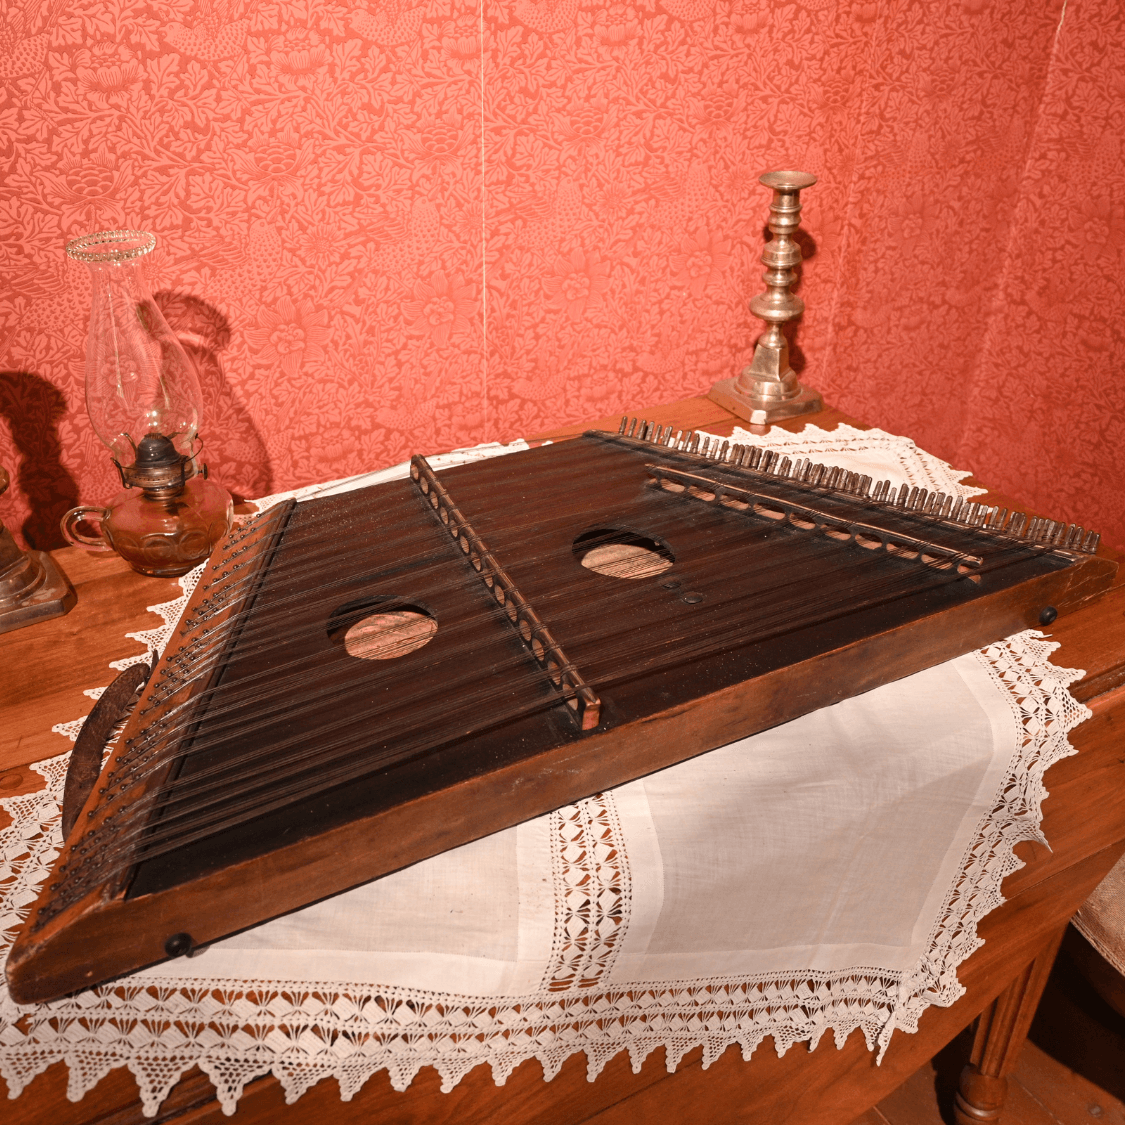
<point x="387" y="226"/>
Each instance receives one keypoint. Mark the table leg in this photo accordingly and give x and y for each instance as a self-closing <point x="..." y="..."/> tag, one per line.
<point x="1001" y="1032"/>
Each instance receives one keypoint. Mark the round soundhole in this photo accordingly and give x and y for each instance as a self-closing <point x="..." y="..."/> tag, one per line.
<point x="622" y="554"/>
<point x="386" y="636"/>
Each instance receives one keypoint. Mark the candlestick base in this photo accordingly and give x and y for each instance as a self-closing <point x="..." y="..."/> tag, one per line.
<point x="762" y="411"/>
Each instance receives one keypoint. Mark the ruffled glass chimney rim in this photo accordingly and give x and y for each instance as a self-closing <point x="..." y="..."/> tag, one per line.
<point x="111" y="246"/>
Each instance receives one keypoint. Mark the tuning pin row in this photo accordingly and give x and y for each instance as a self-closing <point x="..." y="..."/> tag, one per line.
<point x="938" y="505"/>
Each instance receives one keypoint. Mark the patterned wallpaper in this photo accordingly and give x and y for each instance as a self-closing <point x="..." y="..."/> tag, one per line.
<point x="387" y="226"/>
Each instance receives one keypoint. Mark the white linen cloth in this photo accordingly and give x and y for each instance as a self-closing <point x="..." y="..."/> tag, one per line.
<point x="827" y="874"/>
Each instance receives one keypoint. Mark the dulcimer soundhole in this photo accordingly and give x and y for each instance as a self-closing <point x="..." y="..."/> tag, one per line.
<point x="386" y="636"/>
<point x="622" y="554"/>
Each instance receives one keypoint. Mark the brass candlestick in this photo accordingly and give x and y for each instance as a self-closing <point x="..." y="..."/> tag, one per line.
<point x="768" y="390"/>
<point x="32" y="588"/>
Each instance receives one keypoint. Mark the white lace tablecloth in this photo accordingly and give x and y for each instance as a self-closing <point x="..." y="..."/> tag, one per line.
<point x="826" y="875"/>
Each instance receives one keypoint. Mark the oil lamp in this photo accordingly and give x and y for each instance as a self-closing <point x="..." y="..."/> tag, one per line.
<point x="143" y="398"/>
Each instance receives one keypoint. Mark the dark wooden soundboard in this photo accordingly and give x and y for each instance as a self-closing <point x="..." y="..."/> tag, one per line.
<point x="1086" y="834"/>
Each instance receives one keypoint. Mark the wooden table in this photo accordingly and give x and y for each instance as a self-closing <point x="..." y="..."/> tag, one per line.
<point x="44" y="669"/>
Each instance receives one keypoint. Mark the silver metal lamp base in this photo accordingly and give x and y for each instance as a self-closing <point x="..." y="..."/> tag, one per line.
<point x="47" y="594"/>
<point x="32" y="587"/>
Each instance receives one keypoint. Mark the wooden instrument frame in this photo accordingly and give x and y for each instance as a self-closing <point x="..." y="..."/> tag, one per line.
<point x="106" y="933"/>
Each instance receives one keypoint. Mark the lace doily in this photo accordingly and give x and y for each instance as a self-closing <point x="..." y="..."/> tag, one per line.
<point x="302" y="1032"/>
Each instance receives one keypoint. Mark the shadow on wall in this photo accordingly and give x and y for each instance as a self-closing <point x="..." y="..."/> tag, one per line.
<point x="234" y="451"/>
<point x="32" y="407"/>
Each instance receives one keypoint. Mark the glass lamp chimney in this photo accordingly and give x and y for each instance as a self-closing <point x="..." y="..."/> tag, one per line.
<point x="140" y="384"/>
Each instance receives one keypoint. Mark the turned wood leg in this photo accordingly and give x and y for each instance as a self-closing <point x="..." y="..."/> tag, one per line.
<point x="1001" y="1032"/>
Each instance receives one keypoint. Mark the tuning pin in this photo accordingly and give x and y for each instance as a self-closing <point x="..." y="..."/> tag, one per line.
<point x="738" y="456"/>
<point x="755" y="458"/>
<point x="624" y="423"/>
<point x="783" y="468"/>
<point x="632" y="428"/>
<point x="1091" y="543"/>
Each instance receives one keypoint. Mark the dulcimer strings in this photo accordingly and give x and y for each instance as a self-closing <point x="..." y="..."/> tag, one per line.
<point x="337" y="761"/>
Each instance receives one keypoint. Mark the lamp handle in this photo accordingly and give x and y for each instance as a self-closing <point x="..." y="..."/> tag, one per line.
<point x="69" y="524"/>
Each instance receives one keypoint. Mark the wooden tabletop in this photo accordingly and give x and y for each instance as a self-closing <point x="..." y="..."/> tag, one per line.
<point x="44" y="670"/>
